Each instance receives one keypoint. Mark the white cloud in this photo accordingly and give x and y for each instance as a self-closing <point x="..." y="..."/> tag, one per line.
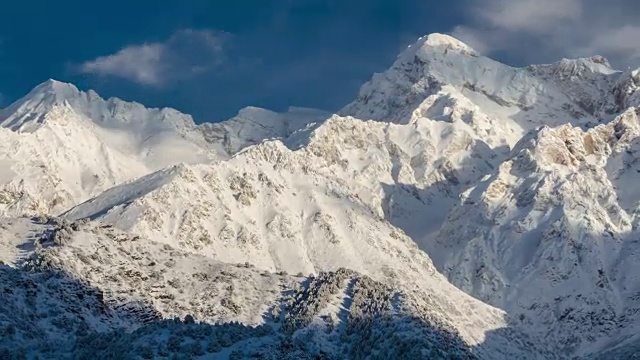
<point x="620" y="42"/>
<point x="139" y="63"/>
<point x="534" y="16"/>
<point x="546" y="30"/>
<point x="184" y="54"/>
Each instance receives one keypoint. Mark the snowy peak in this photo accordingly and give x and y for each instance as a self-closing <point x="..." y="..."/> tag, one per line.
<point x="582" y="67"/>
<point x="61" y="146"/>
<point x="27" y="114"/>
<point x="253" y="125"/>
<point x="58" y="89"/>
<point x="627" y="90"/>
<point x="437" y="42"/>
<point x="588" y="82"/>
<point x="438" y="66"/>
<point x="580" y="91"/>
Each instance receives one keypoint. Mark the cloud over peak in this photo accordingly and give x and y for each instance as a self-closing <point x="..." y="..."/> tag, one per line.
<point x="546" y="30"/>
<point x="186" y="53"/>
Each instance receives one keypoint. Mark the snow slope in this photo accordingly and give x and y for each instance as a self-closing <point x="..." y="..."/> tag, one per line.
<point x="560" y="215"/>
<point x="335" y="190"/>
<point x="278" y="219"/>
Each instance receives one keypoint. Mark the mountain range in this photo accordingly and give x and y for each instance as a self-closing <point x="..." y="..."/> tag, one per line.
<point x="458" y="208"/>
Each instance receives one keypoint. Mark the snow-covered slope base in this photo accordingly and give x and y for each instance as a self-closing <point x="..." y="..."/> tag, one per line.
<point x="81" y="288"/>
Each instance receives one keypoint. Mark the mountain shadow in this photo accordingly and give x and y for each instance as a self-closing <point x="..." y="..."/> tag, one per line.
<point x="46" y="313"/>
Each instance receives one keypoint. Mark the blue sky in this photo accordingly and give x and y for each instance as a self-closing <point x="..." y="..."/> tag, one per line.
<point x="211" y="58"/>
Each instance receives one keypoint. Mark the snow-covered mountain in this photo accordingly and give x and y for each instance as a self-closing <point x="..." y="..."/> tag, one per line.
<point x="60" y="146"/>
<point x="492" y="209"/>
<point x="549" y="234"/>
<point x="561" y="214"/>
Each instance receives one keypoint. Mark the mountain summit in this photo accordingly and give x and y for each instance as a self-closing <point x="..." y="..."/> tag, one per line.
<point x="457" y="208"/>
